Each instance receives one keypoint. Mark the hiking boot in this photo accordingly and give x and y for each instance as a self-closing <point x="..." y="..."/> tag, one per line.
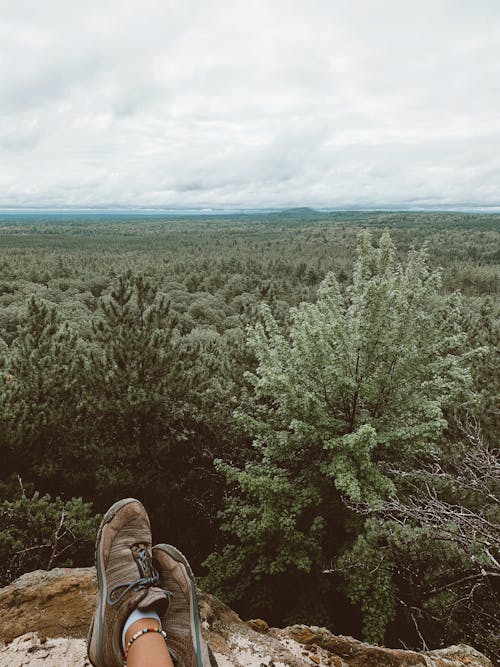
<point x="126" y="578"/>
<point x="181" y="620"/>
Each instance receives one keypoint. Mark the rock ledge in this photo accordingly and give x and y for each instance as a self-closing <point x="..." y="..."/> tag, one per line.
<point x="45" y="615"/>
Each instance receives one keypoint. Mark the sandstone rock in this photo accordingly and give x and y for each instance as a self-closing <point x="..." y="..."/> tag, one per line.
<point x="302" y="634"/>
<point x="58" y="603"/>
<point x="258" y="625"/>
<point x="44" y="617"/>
<point x="357" y="654"/>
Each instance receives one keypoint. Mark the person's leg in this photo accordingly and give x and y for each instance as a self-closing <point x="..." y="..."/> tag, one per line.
<point x="150" y="650"/>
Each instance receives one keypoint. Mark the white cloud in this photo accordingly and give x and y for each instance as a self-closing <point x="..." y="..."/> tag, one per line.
<point x="225" y="103"/>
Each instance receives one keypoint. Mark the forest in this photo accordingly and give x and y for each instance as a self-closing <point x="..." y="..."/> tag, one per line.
<point x="306" y="403"/>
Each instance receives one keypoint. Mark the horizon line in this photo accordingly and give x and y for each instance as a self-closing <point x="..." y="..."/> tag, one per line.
<point x="247" y="209"/>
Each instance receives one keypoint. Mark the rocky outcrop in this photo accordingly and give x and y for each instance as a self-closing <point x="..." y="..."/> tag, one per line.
<point x="57" y="603"/>
<point x="44" y="618"/>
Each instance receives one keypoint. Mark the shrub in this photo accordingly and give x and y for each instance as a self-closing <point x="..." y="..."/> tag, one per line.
<point x="37" y="532"/>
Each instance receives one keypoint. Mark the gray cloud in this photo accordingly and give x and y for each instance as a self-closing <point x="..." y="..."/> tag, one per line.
<point x="225" y="103"/>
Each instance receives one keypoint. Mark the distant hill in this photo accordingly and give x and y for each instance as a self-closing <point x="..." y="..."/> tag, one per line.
<point x="302" y="212"/>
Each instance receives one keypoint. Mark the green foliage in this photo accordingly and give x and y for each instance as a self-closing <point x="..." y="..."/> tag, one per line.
<point x="422" y="576"/>
<point x="124" y="370"/>
<point x="388" y="352"/>
<point x="356" y="387"/>
<point x="368" y="568"/>
<point x="41" y="397"/>
<point x="38" y="532"/>
<point x="130" y="388"/>
<point x="482" y="323"/>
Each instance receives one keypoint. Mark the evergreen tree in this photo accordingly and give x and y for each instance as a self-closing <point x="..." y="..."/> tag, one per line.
<point x="41" y="397"/>
<point x="482" y="323"/>
<point x="358" y="387"/>
<point x="131" y="386"/>
<point x="155" y="411"/>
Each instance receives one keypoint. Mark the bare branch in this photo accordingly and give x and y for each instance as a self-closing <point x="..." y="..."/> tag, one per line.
<point x="56" y="539"/>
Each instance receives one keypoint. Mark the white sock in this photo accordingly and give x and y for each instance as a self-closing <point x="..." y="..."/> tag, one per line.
<point x="138" y="615"/>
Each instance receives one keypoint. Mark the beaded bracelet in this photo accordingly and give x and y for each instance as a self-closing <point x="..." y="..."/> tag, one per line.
<point x="136" y="637"/>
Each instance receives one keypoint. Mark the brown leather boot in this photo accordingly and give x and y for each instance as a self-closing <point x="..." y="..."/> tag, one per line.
<point x="126" y="577"/>
<point x="181" y="620"/>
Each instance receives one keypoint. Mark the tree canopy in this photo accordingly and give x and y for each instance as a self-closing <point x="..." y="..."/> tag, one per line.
<point x="285" y="392"/>
<point x="356" y="390"/>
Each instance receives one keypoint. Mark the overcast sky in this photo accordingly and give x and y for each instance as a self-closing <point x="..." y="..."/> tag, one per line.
<point x="254" y="103"/>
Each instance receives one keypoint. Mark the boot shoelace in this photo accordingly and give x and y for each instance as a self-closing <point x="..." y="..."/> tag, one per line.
<point x="149" y="575"/>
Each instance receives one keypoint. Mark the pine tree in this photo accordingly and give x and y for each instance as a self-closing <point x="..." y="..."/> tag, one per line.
<point x="42" y="396"/>
<point x="154" y="409"/>
<point x="483" y="329"/>
<point x="357" y="387"/>
<point x="131" y="385"/>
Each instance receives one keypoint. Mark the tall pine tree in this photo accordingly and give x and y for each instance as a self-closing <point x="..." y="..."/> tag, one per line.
<point x="131" y="386"/>
<point x="358" y="386"/>
<point x="42" y="399"/>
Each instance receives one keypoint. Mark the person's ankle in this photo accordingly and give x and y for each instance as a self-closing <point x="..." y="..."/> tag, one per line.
<point x="136" y="622"/>
<point x="146" y="645"/>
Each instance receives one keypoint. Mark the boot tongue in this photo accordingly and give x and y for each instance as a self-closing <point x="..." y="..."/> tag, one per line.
<point x="156" y="599"/>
